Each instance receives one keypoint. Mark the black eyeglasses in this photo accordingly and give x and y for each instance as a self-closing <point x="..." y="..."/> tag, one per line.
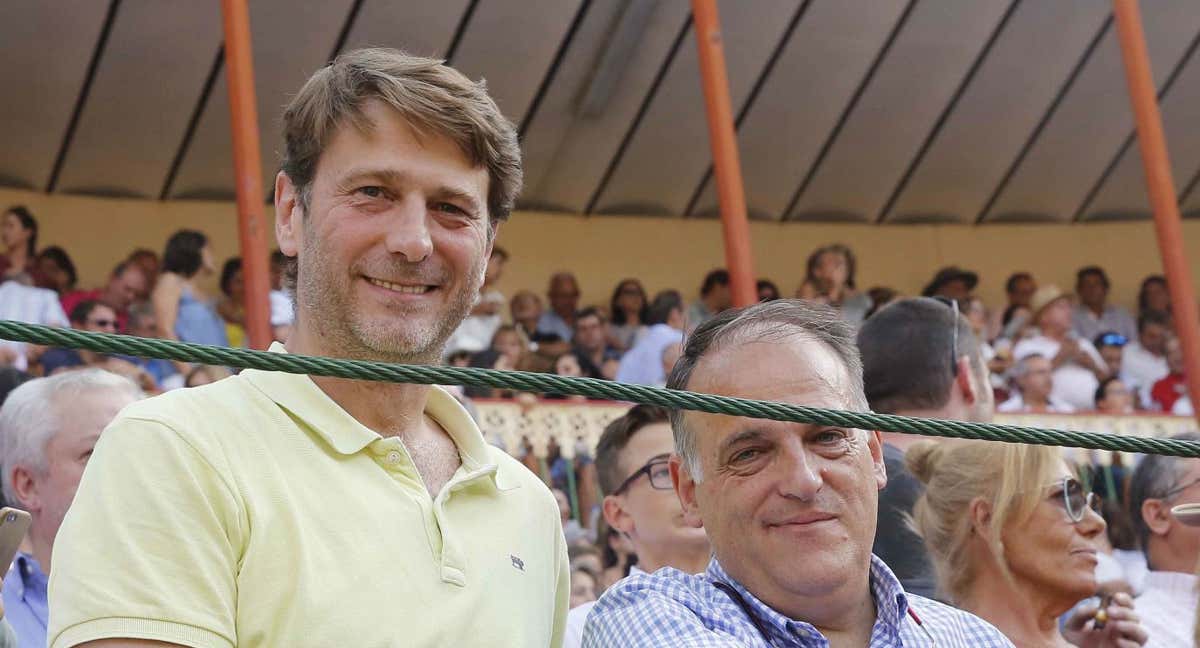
<point x="658" y="471"/>
<point x="952" y="304"/>
<point x="1075" y="500"/>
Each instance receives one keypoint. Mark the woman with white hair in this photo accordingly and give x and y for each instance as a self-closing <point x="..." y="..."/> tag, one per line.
<point x="1013" y="536"/>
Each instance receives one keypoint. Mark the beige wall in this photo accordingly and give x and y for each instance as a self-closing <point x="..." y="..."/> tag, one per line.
<point x="664" y="253"/>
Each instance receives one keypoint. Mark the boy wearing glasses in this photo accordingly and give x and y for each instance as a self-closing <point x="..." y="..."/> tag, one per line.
<point x="632" y="465"/>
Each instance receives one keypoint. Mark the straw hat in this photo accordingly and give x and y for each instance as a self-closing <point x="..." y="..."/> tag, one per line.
<point x="1045" y="296"/>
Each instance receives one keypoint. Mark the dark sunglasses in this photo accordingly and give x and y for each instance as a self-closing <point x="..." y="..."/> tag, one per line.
<point x="104" y="323"/>
<point x="953" y="306"/>
<point x="1075" y="499"/>
<point x="656" y="469"/>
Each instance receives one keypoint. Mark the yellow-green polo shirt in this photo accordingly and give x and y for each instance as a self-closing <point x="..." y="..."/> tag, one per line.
<point x="256" y="512"/>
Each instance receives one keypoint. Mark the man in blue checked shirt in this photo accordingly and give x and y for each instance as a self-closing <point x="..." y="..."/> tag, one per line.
<point x="789" y="509"/>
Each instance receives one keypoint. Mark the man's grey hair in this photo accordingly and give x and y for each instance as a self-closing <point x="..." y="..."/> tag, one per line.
<point x="33" y="414"/>
<point x="1153" y="478"/>
<point x="772" y="321"/>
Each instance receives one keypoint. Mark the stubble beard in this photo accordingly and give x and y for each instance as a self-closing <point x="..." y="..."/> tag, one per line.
<point x="323" y="288"/>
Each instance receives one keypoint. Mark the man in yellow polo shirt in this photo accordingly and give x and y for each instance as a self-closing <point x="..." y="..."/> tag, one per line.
<point x="279" y="510"/>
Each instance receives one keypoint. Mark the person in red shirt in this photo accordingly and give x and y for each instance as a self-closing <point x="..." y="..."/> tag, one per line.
<point x="1166" y="391"/>
<point x="124" y="285"/>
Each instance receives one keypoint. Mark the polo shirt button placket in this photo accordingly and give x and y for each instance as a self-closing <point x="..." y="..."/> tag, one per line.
<point x="394" y="458"/>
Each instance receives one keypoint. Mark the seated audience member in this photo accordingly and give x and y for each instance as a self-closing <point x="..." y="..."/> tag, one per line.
<point x="56" y="270"/>
<point x="526" y="310"/>
<point x="1111" y="347"/>
<point x="1076" y="364"/>
<point x="505" y="352"/>
<point x="476" y="331"/>
<point x="1170" y="389"/>
<point x="1144" y="361"/>
<point x="919" y="358"/>
<point x="1169" y="599"/>
<point x="18" y="233"/>
<point x="639" y="500"/>
<point x="1153" y="296"/>
<point x="766" y="290"/>
<point x="1093" y="314"/>
<point x="569" y="365"/>
<point x="283" y="314"/>
<point x="31" y="305"/>
<point x="572" y="530"/>
<point x="96" y="318"/>
<point x="183" y="310"/>
<point x="1013" y="538"/>
<point x="643" y="364"/>
<point x="997" y="364"/>
<point x="563" y="294"/>
<point x="880" y="297"/>
<point x="1034" y="392"/>
<point x="205" y="374"/>
<point x="588" y="557"/>
<point x="583" y="587"/>
<point x="715" y="296"/>
<point x="628" y="308"/>
<point x="596" y="358"/>
<point x="124" y="285"/>
<point x="1113" y="397"/>
<point x="231" y="305"/>
<point x="790" y="509"/>
<point x="951" y="282"/>
<point x="150" y="264"/>
<point x="48" y="427"/>
<point x="143" y="324"/>
<point x="1018" y="289"/>
<point x="829" y="279"/>
<point x="617" y="552"/>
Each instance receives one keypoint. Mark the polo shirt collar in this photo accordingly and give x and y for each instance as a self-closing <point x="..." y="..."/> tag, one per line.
<point x="303" y="399"/>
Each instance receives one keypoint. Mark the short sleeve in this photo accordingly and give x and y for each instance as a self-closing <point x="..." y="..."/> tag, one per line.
<point x="150" y="546"/>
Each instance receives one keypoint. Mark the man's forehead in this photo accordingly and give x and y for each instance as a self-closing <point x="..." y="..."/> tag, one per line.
<point x="796" y="369"/>
<point x="645" y="444"/>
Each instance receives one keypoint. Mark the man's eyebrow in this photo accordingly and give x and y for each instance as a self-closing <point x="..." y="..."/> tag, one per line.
<point x="356" y="174"/>
<point x="752" y="434"/>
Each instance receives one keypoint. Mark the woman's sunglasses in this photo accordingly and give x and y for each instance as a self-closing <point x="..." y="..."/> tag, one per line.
<point x="1075" y="499"/>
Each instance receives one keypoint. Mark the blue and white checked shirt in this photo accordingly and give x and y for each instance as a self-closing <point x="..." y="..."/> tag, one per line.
<point x="671" y="608"/>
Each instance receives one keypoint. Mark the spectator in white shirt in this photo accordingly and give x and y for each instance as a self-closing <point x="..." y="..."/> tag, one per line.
<point x="1035" y="383"/>
<point x="1094" y="315"/>
<point x="1077" y="366"/>
<point x="476" y="331"/>
<point x="640" y="501"/>
<point x="22" y="303"/>
<point x="1144" y="362"/>
<point x="1169" y="599"/>
<point x="643" y="364"/>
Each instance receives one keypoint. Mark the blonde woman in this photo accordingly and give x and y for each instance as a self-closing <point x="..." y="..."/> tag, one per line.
<point x="1013" y="537"/>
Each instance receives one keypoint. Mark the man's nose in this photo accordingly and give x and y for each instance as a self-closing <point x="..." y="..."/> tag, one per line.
<point x="799" y="476"/>
<point x="408" y="230"/>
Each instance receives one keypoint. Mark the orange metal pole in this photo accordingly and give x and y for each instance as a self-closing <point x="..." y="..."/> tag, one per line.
<point x="1160" y="186"/>
<point x="726" y="166"/>
<point x="247" y="170"/>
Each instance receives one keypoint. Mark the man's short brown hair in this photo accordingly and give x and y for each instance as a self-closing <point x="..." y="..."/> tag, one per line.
<point x="434" y="98"/>
<point x="614" y="439"/>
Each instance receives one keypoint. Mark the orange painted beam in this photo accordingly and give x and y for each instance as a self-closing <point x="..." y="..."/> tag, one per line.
<point x="726" y="166"/>
<point x="247" y="168"/>
<point x="1160" y="186"/>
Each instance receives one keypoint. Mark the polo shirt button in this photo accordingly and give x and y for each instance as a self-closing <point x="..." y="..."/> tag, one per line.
<point x="393" y="457"/>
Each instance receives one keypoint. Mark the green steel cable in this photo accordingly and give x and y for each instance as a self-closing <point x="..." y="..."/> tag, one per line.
<point x="603" y="389"/>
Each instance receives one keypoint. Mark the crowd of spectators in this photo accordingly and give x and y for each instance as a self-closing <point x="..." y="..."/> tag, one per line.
<point x="1046" y="350"/>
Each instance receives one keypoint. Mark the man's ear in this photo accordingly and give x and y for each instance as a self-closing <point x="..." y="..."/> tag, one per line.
<point x="25" y="488"/>
<point x="1157" y="516"/>
<point x="875" y="446"/>
<point x="965" y="378"/>
<point x="288" y="215"/>
<point x="685" y="489"/>
<point x="616" y="515"/>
